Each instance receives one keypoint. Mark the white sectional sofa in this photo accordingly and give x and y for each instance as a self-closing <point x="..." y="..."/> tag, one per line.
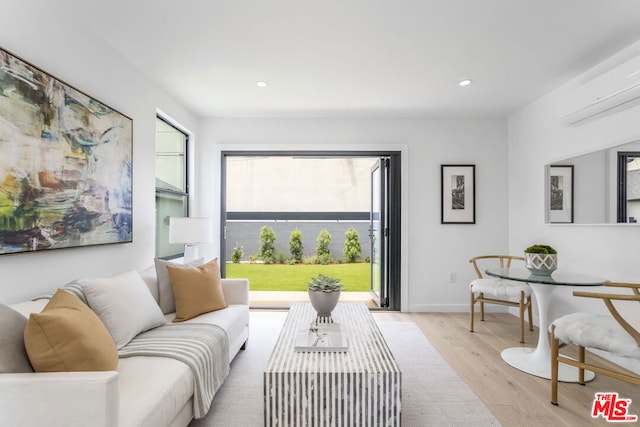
<point x="144" y="391"/>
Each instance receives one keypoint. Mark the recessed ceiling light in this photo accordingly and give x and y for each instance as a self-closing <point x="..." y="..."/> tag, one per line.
<point x="262" y="83"/>
<point x="465" y="82"/>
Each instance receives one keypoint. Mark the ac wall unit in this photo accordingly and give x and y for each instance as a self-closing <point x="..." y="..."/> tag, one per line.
<point x="610" y="91"/>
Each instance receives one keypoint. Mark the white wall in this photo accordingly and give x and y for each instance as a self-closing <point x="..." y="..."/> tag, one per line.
<point x="48" y="37"/>
<point x="538" y="137"/>
<point x="430" y="250"/>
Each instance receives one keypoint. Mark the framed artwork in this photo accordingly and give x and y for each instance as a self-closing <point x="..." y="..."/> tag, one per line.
<point x="458" y="194"/>
<point x="65" y="164"/>
<point x="560" y="193"/>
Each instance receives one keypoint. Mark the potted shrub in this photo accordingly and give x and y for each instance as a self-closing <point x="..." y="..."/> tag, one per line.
<point x="324" y="293"/>
<point x="541" y="259"/>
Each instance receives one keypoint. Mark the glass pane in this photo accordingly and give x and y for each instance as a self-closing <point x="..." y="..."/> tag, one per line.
<point x="170" y="157"/>
<point x="376" y="236"/>
<point x="168" y="205"/>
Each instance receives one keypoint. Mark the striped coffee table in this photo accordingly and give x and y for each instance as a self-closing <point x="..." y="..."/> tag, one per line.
<point x="359" y="387"/>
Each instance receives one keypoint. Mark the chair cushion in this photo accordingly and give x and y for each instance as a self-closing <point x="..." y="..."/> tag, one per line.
<point x="500" y="287"/>
<point x="68" y="336"/>
<point x="196" y="290"/>
<point x="601" y="332"/>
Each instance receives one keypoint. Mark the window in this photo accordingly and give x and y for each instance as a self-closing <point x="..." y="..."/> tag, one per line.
<point x="172" y="189"/>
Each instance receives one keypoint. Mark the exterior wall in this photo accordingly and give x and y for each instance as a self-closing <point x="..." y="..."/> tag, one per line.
<point x="299" y="184"/>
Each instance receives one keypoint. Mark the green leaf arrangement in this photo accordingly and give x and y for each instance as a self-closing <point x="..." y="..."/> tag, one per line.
<point x="540" y="249"/>
<point x="322" y="283"/>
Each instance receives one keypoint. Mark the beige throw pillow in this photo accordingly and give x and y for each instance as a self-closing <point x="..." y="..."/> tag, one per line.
<point x="196" y="290"/>
<point x="166" y="300"/>
<point x="68" y="336"/>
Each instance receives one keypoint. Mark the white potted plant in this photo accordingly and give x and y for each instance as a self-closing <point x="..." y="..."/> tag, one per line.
<point x="541" y="259"/>
<point x="324" y="293"/>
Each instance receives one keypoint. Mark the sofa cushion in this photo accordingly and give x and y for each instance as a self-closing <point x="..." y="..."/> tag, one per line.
<point x="124" y="304"/>
<point x="68" y="336"/>
<point x="165" y="292"/>
<point x="196" y="290"/>
<point x="13" y="355"/>
<point x="234" y="320"/>
<point x="155" y="389"/>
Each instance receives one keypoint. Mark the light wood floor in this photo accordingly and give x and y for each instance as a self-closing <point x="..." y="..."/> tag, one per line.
<point x="514" y="397"/>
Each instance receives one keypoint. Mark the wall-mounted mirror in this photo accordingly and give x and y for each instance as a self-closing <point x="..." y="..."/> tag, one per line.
<point x="602" y="187"/>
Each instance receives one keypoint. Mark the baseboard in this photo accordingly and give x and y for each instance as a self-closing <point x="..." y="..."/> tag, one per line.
<point x="453" y="308"/>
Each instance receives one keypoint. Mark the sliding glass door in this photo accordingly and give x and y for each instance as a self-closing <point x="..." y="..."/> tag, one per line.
<point x="258" y="187"/>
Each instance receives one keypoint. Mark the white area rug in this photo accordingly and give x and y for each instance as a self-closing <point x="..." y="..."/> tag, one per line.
<point x="432" y="393"/>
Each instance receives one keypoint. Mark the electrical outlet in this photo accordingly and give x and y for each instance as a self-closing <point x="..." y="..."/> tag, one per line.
<point x="452" y="277"/>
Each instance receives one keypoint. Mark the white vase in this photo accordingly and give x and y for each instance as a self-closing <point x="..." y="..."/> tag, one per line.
<point x="541" y="264"/>
<point x="324" y="302"/>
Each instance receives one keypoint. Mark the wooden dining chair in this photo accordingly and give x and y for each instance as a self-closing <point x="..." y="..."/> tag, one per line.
<point x="611" y="333"/>
<point x="499" y="291"/>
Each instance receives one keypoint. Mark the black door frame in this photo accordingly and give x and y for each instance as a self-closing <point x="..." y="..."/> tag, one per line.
<point x="395" y="210"/>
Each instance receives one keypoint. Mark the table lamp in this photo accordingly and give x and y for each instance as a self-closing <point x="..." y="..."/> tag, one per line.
<point x="191" y="231"/>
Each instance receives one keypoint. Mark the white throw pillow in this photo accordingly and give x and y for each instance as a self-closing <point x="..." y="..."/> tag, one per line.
<point x="124" y="304"/>
<point x="166" y="299"/>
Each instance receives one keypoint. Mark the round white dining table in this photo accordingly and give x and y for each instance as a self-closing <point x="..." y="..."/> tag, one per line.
<point x="537" y="361"/>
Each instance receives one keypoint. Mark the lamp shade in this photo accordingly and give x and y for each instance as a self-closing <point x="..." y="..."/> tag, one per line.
<point x="190" y="230"/>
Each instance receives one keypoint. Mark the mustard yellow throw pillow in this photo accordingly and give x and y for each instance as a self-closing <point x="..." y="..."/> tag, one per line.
<point x="197" y="290"/>
<point x="68" y="336"/>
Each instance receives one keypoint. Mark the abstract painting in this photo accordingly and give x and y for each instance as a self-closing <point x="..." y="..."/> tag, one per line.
<point x="65" y="164"/>
<point x="457" y="195"/>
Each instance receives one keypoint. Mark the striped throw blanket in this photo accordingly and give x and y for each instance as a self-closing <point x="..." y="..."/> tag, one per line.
<point x="203" y="347"/>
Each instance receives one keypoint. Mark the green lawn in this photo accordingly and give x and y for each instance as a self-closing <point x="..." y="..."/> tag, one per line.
<point x="281" y="277"/>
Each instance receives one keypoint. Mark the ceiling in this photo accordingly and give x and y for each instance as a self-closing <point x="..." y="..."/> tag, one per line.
<point x="361" y="57"/>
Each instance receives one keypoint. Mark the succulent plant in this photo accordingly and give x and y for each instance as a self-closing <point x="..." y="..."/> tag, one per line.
<point x="322" y="283"/>
<point x="540" y="249"/>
